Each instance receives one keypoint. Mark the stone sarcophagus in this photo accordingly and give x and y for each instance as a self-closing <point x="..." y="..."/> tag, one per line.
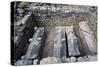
<point x="73" y="48"/>
<point x="87" y="38"/>
<point x="35" y="44"/>
<point x="59" y="42"/>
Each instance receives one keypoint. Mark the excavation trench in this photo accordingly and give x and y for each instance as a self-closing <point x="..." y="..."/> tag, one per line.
<point x="47" y="45"/>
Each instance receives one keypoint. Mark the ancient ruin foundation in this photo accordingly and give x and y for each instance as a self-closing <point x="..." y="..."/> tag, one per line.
<point x="46" y="33"/>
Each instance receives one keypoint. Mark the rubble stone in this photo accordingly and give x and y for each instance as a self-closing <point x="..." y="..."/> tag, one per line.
<point x="50" y="60"/>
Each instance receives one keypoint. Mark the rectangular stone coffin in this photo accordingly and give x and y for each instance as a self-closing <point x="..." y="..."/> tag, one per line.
<point x="49" y="42"/>
<point x="87" y="38"/>
<point x="59" y="42"/>
<point x="35" y="44"/>
<point x="73" y="49"/>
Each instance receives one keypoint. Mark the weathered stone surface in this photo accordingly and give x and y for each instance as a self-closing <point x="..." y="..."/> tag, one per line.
<point x="43" y="8"/>
<point x="50" y="60"/>
<point x="86" y="58"/>
<point x="22" y="4"/>
<point x="19" y="62"/>
<point x="27" y="62"/>
<point x="49" y="44"/>
<point x="92" y="58"/>
<point x="26" y="17"/>
<point x="72" y="42"/>
<point x="65" y="60"/>
<point x="53" y="8"/>
<point x="34" y="46"/>
<point x="35" y="61"/>
<point x="72" y="59"/>
<point x="23" y="61"/>
<point x="87" y="37"/>
<point x="81" y="59"/>
<point x="59" y="42"/>
<point x="30" y="40"/>
<point x="59" y="8"/>
<point x="35" y="28"/>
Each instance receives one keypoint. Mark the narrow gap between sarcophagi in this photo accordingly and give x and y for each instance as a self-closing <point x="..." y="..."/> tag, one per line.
<point x="67" y="51"/>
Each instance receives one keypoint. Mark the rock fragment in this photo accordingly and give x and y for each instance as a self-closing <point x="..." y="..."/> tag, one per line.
<point x="50" y="60"/>
<point x="72" y="59"/>
<point x="23" y="61"/>
<point x="35" y="61"/>
<point x="81" y="59"/>
<point x="92" y="58"/>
